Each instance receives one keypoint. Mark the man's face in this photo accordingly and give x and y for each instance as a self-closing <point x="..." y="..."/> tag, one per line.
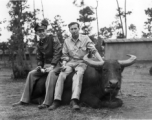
<point x="74" y="29"/>
<point x="41" y="33"/>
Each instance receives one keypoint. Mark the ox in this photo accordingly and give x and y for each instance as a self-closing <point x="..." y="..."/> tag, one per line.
<point x="101" y="83"/>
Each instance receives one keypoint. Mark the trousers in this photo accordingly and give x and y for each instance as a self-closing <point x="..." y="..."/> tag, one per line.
<point x="76" y="81"/>
<point x="32" y="77"/>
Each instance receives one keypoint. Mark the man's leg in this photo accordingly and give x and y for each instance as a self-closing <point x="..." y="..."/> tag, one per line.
<point x="59" y="87"/>
<point x="77" y="85"/>
<point x="50" y="87"/>
<point x="32" y="77"/>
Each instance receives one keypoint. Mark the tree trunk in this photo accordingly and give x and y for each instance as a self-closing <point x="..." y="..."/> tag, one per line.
<point x="125" y="21"/>
<point x="120" y="17"/>
<point x="97" y="20"/>
<point x="20" y="66"/>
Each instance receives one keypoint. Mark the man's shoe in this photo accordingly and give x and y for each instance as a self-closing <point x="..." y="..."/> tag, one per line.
<point x="43" y="106"/>
<point x="55" y="105"/>
<point x="19" y="103"/>
<point x="74" y="104"/>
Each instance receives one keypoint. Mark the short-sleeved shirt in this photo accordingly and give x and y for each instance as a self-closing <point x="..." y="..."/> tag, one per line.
<point x="76" y="49"/>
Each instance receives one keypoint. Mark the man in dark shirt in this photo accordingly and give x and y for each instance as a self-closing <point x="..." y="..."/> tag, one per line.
<point x="48" y="55"/>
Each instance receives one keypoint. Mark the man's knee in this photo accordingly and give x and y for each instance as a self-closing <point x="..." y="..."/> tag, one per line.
<point x="32" y="72"/>
<point x="51" y="73"/>
<point x="62" y="75"/>
<point x="51" y="78"/>
<point x="80" y="71"/>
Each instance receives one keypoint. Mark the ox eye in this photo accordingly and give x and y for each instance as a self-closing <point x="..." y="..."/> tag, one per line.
<point x="104" y="70"/>
<point x="119" y="69"/>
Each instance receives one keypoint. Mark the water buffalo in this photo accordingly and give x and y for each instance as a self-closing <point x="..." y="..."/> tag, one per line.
<point x="101" y="83"/>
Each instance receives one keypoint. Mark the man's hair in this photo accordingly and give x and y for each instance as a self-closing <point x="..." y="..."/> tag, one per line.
<point x="73" y="23"/>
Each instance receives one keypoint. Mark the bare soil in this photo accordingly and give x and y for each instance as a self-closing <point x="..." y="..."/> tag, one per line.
<point x="136" y="93"/>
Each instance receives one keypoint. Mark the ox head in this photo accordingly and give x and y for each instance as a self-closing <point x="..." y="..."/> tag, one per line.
<point x="110" y="71"/>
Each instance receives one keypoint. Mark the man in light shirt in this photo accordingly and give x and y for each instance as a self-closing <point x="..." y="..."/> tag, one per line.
<point x="74" y="49"/>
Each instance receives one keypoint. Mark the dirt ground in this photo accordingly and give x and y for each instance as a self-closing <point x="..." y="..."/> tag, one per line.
<point x="136" y="94"/>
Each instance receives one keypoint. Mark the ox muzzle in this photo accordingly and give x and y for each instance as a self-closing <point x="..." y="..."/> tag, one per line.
<point x="113" y="85"/>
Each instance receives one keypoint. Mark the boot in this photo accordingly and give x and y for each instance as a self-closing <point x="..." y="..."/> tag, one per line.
<point x="19" y="103"/>
<point x="43" y="106"/>
<point x="74" y="104"/>
<point x="55" y="105"/>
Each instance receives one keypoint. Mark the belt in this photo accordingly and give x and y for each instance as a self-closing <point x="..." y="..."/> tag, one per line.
<point x="75" y="58"/>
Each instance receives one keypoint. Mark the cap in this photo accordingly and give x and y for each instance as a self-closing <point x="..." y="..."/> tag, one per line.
<point x="44" y="22"/>
<point x="42" y="25"/>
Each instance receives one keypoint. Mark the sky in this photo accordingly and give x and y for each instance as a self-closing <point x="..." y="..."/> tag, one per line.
<point x="69" y="12"/>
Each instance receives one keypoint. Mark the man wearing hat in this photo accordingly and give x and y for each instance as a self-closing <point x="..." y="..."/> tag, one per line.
<point x="48" y="55"/>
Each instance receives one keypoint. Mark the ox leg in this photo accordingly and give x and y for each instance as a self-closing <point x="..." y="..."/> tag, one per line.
<point x="113" y="103"/>
<point x="91" y="100"/>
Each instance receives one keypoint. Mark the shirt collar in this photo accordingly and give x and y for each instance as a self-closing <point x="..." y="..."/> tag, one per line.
<point x="79" y="39"/>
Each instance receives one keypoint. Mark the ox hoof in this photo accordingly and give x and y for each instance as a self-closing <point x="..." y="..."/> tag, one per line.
<point x="114" y="103"/>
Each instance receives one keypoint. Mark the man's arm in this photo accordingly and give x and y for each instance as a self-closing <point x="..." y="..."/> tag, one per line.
<point x="65" y="56"/>
<point x="40" y="58"/>
<point x="57" y="51"/>
<point x="91" y="48"/>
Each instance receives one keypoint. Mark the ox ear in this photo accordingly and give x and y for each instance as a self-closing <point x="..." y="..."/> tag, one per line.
<point x="128" y="62"/>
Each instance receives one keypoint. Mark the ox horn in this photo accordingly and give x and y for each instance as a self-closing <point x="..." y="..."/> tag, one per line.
<point x="92" y="62"/>
<point x="128" y="62"/>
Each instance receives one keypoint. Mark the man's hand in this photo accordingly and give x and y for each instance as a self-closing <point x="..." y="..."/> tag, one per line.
<point x="49" y="68"/>
<point x="63" y="66"/>
<point x="38" y="68"/>
<point x="91" y="46"/>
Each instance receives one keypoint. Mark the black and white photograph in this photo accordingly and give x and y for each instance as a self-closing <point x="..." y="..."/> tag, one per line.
<point x="75" y="59"/>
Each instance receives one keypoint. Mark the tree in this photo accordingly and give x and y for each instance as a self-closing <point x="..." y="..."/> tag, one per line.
<point x="2" y="22"/>
<point x="0" y="31"/>
<point x="148" y="27"/>
<point x="86" y="18"/>
<point x="124" y="15"/>
<point x="106" y="32"/>
<point x="20" y="28"/>
<point x="132" y="28"/>
<point x="3" y="47"/>
<point x="57" y="27"/>
<point x="116" y="28"/>
<point x="120" y="15"/>
<point x="113" y="29"/>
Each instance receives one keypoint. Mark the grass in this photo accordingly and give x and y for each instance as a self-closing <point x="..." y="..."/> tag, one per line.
<point x="136" y="95"/>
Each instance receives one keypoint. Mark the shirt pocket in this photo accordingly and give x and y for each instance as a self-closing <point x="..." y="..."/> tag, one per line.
<point x="82" y="51"/>
<point x="72" y="51"/>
